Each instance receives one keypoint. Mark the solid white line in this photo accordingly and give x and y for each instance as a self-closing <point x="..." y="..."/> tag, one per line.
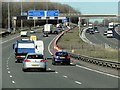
<point x="13" y="82"/>
<point x="49" y="68"/>
<point x="50" y="45"/>
<point x="9" y="39"/>
<point x="98" y="71"/>
<point x="78" y="82"/>
<point x="65" y="76"/>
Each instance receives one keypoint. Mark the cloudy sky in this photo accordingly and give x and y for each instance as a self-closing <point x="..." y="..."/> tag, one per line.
<point x="93" y="6"/>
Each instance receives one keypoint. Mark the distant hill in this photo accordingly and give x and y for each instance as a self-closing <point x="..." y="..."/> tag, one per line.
<point x="15" y="8"/>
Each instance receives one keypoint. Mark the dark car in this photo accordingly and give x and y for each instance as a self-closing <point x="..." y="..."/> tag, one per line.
<point x="87" y="31"/>
<point x="91" y="31"/>
<point x="61" y="57"/>
<point x="96" y="29"/>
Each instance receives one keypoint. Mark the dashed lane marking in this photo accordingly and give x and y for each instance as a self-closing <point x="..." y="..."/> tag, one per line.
<point x="13" y="82"/>
<point x="78" y="82"/>
<point x="65" y="76"/>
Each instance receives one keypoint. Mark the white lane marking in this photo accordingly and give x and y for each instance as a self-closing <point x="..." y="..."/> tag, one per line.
<point x="56" y="72"/>
<point x="8" y="71"/>
<point x="98" y="71"/>
<point x="13" y="82"/>
<point x="78" y="82"/>
<point x="7" y="68"/>
<point x="50" y="45"/>
<point x="65" y="76"/>
<point x="10" y="75"/>
<point x="9" y="39"/>
<point x="49" y="68"/>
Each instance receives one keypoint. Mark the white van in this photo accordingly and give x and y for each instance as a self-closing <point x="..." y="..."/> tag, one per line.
<point x="109" y="33"/>
<point x="39" y="47"/>
<point x="24" y="33"/>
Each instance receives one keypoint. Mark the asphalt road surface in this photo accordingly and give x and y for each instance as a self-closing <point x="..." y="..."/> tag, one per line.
<point x="60" y="76"/>
<point x="99" y="38"/>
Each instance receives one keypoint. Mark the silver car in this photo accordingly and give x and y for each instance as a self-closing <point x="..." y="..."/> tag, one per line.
<point x="34" y="61"/>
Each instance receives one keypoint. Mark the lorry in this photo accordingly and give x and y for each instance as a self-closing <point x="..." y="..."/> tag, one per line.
<point x="111" y="25"/>
<point x="22" y="47"/>
<point x="48" y="28"/>
<point x="39" y="47"/>
<point x="109" y="33"/>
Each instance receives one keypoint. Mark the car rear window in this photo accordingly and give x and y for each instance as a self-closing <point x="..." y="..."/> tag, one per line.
<point x="61" y="54"/>
<point x="35" y="57"/>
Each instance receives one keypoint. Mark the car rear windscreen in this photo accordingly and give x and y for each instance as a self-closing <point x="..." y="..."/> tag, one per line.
<point x="35" y="57"/>
<point x="61" y="54"/>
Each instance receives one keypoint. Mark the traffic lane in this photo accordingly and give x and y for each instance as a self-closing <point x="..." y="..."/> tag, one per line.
<point x="6" y="53"/>
<point x="92" y="38"/>
<point x="48" y="79"/>
<point x="29" y="80"/>
<point x="110" y="40"/>
<point x="99" y="38"/>
<point x="88" y="78"/>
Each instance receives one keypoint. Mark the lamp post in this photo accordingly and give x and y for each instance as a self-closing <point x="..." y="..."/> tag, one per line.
<point x="8" y="17"/>
<point x="21" y="15"/>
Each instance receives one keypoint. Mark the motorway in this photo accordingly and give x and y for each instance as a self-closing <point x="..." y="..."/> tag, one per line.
<point x="60" y="76"/>
<point x="99" y="38"/>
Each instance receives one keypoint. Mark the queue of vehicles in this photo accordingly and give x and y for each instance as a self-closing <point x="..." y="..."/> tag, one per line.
<point x="30" y="51"/>
<point x="94" y="29"/>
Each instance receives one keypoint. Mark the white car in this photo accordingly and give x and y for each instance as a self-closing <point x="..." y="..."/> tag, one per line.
<point x="32" y="31"/>
<point x="34" y="61"/>
<point x="24" y="33"/>
<point x="110" y="33"/>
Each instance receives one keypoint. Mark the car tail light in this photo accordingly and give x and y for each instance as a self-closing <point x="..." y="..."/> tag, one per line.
<point x="42" y="60"/>
<point x="18" y="56"/>
<point x="68" y="57"/>
<point x="56" y="56"/>
<point x="27" y="61"/>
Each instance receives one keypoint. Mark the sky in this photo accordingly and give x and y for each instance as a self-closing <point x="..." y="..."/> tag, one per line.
<point x="93" y="6"/>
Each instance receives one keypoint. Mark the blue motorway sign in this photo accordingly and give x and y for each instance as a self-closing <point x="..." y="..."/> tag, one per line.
<point x="67" y="19"/>
<point x="36" y="13"/>
<point x="62" y="20"/>
<point x="52" y="13"/>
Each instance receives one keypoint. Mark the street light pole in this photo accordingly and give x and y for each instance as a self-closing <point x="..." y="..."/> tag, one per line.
<point x="8" y="17"/>
<point x="21" y="15"/>
<point x="34" y="19"/>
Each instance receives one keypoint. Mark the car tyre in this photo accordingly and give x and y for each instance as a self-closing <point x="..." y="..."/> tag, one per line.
<point x="53" y="63"/>
<point x="24" y="70"/>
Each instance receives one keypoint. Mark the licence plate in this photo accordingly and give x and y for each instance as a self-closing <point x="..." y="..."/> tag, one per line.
<point x="23" y="56"/>
<point x="35" y="65"/>
<point x="62" y="57"/>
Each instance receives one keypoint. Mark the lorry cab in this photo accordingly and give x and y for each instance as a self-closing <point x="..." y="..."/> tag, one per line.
<point x="22" y="47"/>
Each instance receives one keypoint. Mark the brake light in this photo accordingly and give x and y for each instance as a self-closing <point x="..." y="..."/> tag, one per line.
<point x="18" y="56"/>
<point x="42" y="60"/>
<point x="27" y="61"/>
<point x="56" y="56"/>
<point x="68" y="57"/>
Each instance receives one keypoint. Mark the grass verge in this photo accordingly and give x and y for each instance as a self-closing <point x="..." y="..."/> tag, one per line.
<point x="71" y="40"/>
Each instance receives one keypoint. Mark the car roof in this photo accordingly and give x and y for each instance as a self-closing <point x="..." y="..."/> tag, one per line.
<point x="25" y="41"/>
<point x="34" y="54"/>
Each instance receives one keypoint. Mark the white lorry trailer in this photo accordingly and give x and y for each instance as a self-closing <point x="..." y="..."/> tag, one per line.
<point x="48" y="28"/>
